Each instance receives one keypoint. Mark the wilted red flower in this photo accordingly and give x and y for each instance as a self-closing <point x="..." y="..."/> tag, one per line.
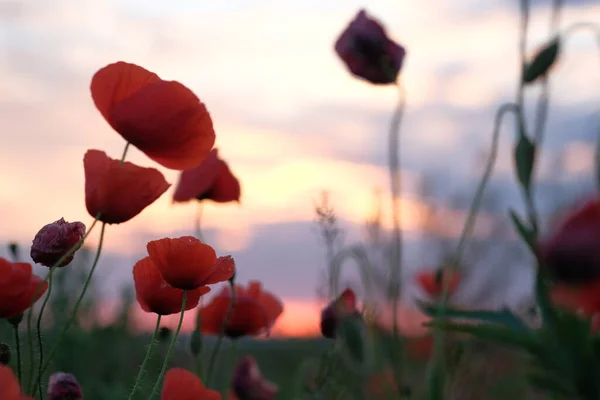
<point x="64" y="386"/>
<point x="572" y="253"/>
<point x="155" y="295"/>
<point x="211" y="180"/>
<point x="433" y="282"/>
<point x="338" y="309"/>
<point x="181" y="384"/>
<point x="119" y="192"/>
<point x="164" y="119"/>
<point x="368" y="52"/>
<point x="18" y="288"/>
<point x="9" y="385"/>
<point x="249" y="384"/>
<point x="55" y="240"/>
<point x="254" y="311"/>
<point x="187" y="263"/>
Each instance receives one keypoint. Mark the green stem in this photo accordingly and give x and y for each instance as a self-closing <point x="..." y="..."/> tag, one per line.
<point x="18" y="346"/>
<point x="39" y="330"/>
<point x="170" y="349"/>
<point x="213" y="356"/>
<point x="73" y="315"/>
<point x="140" y="375"/>
<point x="232" y="362"/>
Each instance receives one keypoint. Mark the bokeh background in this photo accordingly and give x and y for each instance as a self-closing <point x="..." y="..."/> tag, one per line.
<point x="293" y="123"/>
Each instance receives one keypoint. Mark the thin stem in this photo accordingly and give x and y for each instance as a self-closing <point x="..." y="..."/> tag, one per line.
<point x="124" y="154"/>
<point x="18" y="346"/>
<point x="39" y="329"/>
<point x="198" y="221"/>
<point x="170" y="349"/>
<point x="213" y="355"/>
<point x="395" y="186"/>
<point x="78" y="303"/>
<point x="232" y="361"/>
<point x="140" y="375"/>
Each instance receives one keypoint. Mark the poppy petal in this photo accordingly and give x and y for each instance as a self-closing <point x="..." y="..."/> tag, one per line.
<point x="196" y="181"/>
<point x="225" y="188"/>
<point x="9" y="385"/>
<point x="181" y="384"/>
<point x="168" y="123"/>
<point x="222" y="271"/>
<point x="116" y="82"/>
<point x="183" y="262"/>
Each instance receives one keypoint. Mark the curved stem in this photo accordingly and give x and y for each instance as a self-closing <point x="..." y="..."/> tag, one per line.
<point x="124" y="154"/>
<point x="170" y="349"/>
<point x="78" y="303"/>
<point x="140" y="375"/>
<point x="39" y="330"/>
<point x="198" y="221"/>
<point x="213" y="355"/>
<point x="18" y="346"/>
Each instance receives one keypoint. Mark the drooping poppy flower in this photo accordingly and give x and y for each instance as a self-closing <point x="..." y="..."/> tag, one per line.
<point x="211" y="180"/>
<point x="248" y="383"/>
<point x="343" y="306"/>
<point x="187" y="263"/>
<point x="164" y="119"/>
<point x="19" y="288"/>
<point x="119" y="192"/>
<point x="571" y="253"/>
<point x="181" y="384"/>
<point x="9" y="385"/>
<point x="254" y="312"/>
<point x="155" y="295"/>
<point x="64" y="386"/>
<point x="55" y="240"/>
<point x="433" y="282"/>
<point x="368" y="52"/>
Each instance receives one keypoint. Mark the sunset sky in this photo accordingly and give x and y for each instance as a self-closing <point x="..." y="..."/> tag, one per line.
<point x="289" y="118"/>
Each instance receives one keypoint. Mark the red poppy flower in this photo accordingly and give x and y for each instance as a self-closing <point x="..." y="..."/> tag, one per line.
<point x="119" y="192"/>
<point x="249" y="384"/>
<point x="155" y="295"/>
<point x="181" y="384"/>
<point x="55" y="240"/>
<point x="211" y="180"/>
<point x="342" y="307"/>
<point x="255" y="311"/>
<point x="163" y="119"/>
<point x="433" y="282"/>
<point x="187" y="263"/>
<point x="572" y="252"/>
<point x="18" y="288"/>
<point x="9" y="385"/>
<point x="368" y="52"/>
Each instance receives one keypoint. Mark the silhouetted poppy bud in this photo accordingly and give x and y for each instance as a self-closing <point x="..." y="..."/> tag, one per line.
<point x="164" y="333"/>
<point x="343" y="306"/>
<point x="55" y="240"/>
<point x="248" y="382"/>
<point x="544" y="59"/>
<point x="4" y="354"/>
<point x="64" y="386"/>
<point x="14" y="251"/>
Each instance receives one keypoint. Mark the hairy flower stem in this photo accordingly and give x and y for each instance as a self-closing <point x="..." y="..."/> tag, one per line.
<point x="213" y="356"/>
<point x="170" y="349"/>
<point x="39" y="330"/>
<point x="140" y="375"/>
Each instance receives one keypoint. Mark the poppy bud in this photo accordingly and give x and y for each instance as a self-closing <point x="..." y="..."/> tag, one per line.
<point x="55" y="240"/>
<point x="4" y="354"/>
<point x="196" y="343"/>
<point x="249" y="384"/>
<point x="14" y="250"/>
<point x="64" y="386"/>
<point x="335" y="311"/>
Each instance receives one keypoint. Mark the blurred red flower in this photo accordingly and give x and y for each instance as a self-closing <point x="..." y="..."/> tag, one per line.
<point x="163" y="119"/>
<point x="249" y="384"/>
<point x="368" y="52"/>
<point x="155" y="295"/>
<point x="572" y="252"/>
<point x="181" y="384"/>
<point x="119" y="192"/>
<point x="382" y="385"/>
<point x="63" y="386"/>
<point x="211" y="180"/>
<point x="343" y="306"/>
<point x="9" y="385"/>
<point x="55" y="240"/>
<point x="254" y="312"/>
<point x="433" y="282"/>
<point x="19" y="288"/>
<point x="187" y="263"/>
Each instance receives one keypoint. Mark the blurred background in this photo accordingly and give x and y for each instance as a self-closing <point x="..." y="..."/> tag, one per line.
<point x="293" y="124"/>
